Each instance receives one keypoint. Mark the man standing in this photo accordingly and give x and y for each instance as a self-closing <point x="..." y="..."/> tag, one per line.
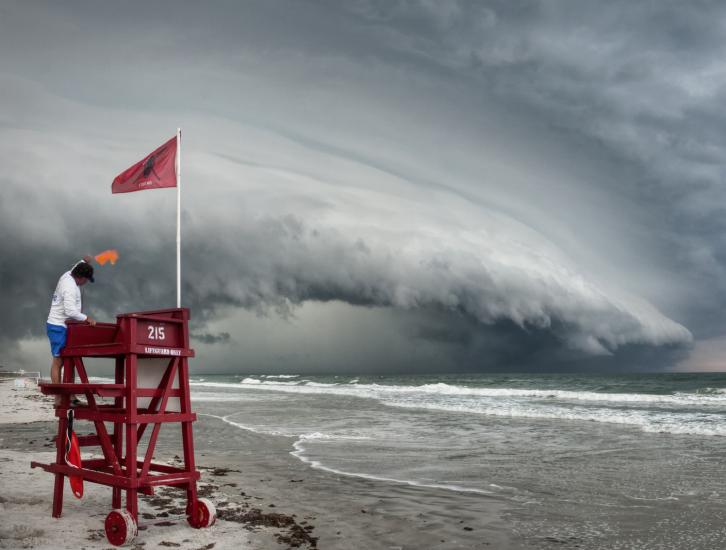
<point x="66" y="304"/>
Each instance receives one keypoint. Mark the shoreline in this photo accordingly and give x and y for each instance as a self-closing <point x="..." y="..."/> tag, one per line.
<point x="351" y="511"/>
<point x="266" y="498"/>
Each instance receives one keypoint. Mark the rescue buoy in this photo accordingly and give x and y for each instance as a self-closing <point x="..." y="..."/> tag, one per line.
<point x="73" y="457"/>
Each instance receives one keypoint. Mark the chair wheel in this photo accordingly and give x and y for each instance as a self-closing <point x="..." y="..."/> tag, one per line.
<point x="206" y="514"/>
<point x="121" y="528"/>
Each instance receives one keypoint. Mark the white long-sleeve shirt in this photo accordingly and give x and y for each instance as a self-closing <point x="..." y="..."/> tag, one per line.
<point x="66" y="303"/>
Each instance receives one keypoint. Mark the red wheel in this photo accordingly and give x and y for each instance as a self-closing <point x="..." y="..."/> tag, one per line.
<point x="206" y="514"/>
<point x="120" y="527"/>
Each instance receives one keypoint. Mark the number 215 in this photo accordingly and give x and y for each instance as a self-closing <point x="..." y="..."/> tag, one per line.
<point x="156" y="332"/>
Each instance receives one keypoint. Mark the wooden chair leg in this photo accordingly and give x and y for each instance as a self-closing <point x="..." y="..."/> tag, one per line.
<point x="59" y="459"/>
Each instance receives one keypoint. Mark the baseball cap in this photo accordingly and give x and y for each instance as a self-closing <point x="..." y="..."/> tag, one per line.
<point x="83" y="269"/>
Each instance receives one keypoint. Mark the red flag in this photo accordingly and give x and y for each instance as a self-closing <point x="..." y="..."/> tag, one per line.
<point x="153" y="172"/>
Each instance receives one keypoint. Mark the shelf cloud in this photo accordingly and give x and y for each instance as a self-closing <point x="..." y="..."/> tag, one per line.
<point x="501" y="183"/>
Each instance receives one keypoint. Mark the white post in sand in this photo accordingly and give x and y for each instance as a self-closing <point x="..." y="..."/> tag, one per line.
<point x="178" y="217"/>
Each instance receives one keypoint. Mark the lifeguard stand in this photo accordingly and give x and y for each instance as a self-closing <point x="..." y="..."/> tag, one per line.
<point x="151" y="386"/>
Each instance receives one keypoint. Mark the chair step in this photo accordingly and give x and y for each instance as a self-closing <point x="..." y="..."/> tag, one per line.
<point x="103" y="390"/>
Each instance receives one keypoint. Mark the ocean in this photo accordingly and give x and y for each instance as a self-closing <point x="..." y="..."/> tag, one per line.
<point x="580" y="461"/>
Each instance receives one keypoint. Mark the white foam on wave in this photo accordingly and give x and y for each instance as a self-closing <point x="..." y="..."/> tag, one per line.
<point x="257" y="381"/>
<point x="647" y="421"/>
<point x="299" y="453"/>
<point x="377" y="391"/>
<point x="652" y="413"/>
<point x="711" y="391"/>
<point x="290" y="383"/>
<point x="209" y="397"/>
<point x="101" y="379"/>
<point x="238" y="385"/>
<point x="227" y="419"/>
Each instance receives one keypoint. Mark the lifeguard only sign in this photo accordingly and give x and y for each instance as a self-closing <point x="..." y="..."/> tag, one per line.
<point x="163" y="351"/>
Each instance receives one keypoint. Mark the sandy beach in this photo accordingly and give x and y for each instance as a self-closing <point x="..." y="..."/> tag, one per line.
<point x="26" y="431"/>
<point x="265" y="498"/>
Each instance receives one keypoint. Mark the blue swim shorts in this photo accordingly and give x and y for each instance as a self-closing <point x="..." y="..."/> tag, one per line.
<point x="57" y="337"/>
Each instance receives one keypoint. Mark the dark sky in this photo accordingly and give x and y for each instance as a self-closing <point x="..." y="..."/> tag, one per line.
<point x="385" y="186"/>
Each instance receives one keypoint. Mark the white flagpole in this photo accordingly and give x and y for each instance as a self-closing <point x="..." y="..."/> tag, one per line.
<point x="178" y="217"/>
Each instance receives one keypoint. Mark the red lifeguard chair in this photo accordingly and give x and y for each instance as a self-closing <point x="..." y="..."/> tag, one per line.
<point x="151" y="386"/>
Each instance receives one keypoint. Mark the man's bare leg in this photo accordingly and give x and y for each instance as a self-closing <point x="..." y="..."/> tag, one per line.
<point x="55" y="375"/>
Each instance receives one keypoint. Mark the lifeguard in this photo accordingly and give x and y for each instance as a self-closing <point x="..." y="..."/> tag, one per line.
<point x="66" y="304"/>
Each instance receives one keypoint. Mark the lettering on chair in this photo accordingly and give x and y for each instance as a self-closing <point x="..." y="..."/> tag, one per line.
<point x="162" y="351"/>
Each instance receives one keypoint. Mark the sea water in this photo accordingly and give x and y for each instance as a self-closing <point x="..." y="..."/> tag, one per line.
<point x="625" y="461"/>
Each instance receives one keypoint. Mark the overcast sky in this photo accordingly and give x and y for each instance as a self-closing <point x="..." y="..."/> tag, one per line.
<point x="384" y="186"/>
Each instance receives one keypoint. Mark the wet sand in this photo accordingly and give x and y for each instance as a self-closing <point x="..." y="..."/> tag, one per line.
<point x="348" y="512"/>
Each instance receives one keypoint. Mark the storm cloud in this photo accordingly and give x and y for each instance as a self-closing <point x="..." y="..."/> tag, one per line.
<point x="480" y="185"/>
